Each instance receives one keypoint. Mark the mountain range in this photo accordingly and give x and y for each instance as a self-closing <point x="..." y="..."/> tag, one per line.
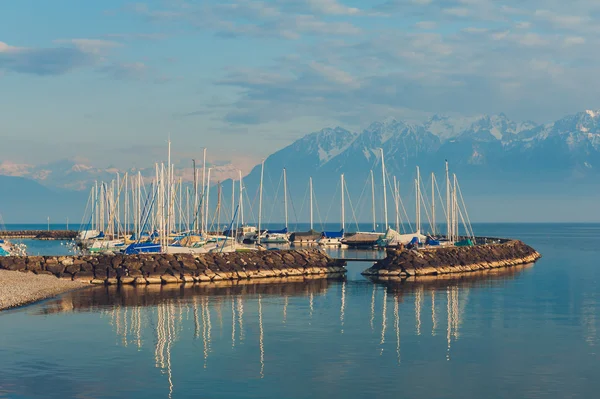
<point x="506" y="168"/>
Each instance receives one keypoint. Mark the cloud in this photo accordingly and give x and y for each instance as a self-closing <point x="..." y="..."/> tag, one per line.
<point x="331" y="7"/>
<point x="43" y="61"/>
<point x="90" y="46"/>
<point x="289" y="20"/>
<point x="125" y="71"/>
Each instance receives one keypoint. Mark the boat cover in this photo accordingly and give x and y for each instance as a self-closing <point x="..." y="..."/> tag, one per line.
<point x="333" y="234"/>
<point x="282" y="231"/>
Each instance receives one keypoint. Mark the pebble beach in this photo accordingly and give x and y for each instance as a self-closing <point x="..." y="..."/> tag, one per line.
<point x="18" y="288"/>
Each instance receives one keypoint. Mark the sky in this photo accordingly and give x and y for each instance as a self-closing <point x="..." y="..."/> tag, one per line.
<point x="108" y="81"/>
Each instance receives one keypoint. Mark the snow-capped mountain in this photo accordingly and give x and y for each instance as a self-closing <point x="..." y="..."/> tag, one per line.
<point x="488" y="152"/>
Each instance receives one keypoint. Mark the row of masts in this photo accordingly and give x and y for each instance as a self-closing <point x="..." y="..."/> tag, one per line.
<point x="166" y="205"/>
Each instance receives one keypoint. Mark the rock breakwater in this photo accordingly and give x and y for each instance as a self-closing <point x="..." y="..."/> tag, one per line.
<point x="444" y="260"/>
<point x="40" y="234"/>
<point x="178" y="268"/>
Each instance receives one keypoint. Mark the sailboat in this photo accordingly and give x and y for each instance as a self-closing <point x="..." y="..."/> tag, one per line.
<point x="311" y="236"/>
<point x="394" y="238"/>
<point x="370" y="239"/>
<point x="279" y="236"/>
<point x="334" y="238"/>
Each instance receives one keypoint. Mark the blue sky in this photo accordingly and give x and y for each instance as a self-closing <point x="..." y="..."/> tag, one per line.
<point x="107" y="80"/>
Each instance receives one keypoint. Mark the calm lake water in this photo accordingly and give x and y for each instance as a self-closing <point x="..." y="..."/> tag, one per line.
<point x="527" y="332"/>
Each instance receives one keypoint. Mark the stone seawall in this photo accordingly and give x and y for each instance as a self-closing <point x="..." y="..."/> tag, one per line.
<point x="40" y="234"/>
<point x="444" y="260"/>
<point x="179" y="268"/>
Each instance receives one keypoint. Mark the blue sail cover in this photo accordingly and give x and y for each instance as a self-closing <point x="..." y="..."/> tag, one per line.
<point x="142" y="247"/>
<point x="333" y="234"/>
<point x="282" y="231"/>
<point x="3" y="252"/>
<point x="414" y="241"/>
<point x="431" y="241"/>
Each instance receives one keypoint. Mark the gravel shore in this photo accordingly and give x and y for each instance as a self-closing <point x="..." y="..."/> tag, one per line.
<point x="17" y="288"/>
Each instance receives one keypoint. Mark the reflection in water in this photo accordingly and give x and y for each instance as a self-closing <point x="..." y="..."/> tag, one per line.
<point x="433" y="317"/>
<point x="373" y="307"/>
<point x="261" y="336"/>
<point x="343" y="306"/>
<point x="418" y="301"/>
<point x="397" y="327"/>
<point x="383" y="320"/>
<point x="285" y="306"/>
<point x="134" y="311"/>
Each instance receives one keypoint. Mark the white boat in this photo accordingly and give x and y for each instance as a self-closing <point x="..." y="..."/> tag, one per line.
<point x="8" y="248"/>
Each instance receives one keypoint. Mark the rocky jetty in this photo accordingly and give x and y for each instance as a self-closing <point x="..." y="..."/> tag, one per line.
<point x="178" y="268"/>
<point x="443" y="260"/>
<point x="40" y="234"/>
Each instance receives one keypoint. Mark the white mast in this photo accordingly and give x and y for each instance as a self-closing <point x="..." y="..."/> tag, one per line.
<point x="180" y="204"/>
<point x="397" y="204"/>
<point x="455" y="207"/>
<point x="285" y="204"/>
<point x="448" y="218"/>
<point x="310" y="184"/>
<point x="343" y="213"/>
<point x="232" y="198"/>
<point x="260" y="196"/>
<point x="96" y="210"/>
<point x="207" y="192"/>
<point x="385" y="211"/>
<point x="126" y="212"/>
<point x="139" y="215"/>
<point x="432" y="204"/>
<point x="373" y="200"/>
<point x="418" y="192"/>
<point x="241" y="200"/>
<point x="169" y="188"/>
<point x="204" y="217"/>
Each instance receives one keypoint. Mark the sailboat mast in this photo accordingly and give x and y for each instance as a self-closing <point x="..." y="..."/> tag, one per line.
<point x="206" y="200"/>
<point x="195" y="177"/>
<point x="397" y="203"/>
<point x="373" y="200"/>
<point x="448" y="227"/>
<point x="232" y="197"/>
<point x="455" y="206"/>
<point x="432" y="203"/>
<point x="385" y="211"/>
<point x="343" y="212"/>
<point x="139" y="207"/>
<point x="418" y="192"/>
<point x="285" y="204"/>
<point x="204" y="196"/>
<point x="310" y="188"/>
<point x="241" y="199"/>
<point x="260" y="196"/>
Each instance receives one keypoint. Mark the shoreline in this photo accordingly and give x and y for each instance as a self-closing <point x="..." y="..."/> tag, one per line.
<point x="20" y="289"/>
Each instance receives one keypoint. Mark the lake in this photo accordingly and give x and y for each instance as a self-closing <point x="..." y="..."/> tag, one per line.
<point x="521" y="332"/>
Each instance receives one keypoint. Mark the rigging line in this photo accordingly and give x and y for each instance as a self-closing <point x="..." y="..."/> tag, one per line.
<point x="291" y="199"/>
<point x="425" y="202"/>
<point x="440" y="197"/>
<point x="465" y="208"/>
<point x="269" y="219"/>
<point x="405" y="213"/>
<point x="315" y="203"/>
<point x="400" y="202"/>
<point x="303" y="203"/>
<point x="250" y="205"/>
<point x="337" y="188"/>
<point x="351" y="207"/>
<point x="360" y="199"/>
